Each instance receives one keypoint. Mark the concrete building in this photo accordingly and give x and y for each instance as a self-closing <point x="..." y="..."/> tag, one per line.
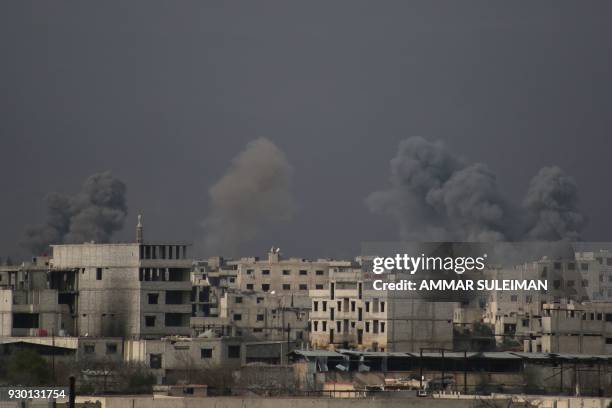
<point x="570" y="328"/>
<point x="255" y="315"/>
<point x="289" y="278"/>
<point x="351" y="314"/>
<point x="133" y="290"/>
<point x="30" y="303"/>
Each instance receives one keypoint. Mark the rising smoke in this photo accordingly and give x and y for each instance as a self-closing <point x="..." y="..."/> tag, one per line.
<point x="551" y="205"/>
<point x="438" y="196"/>
<point x="93" y="214"/>
<point x="254" y="193"/>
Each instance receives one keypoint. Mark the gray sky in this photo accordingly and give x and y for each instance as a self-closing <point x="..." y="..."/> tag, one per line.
<point x="165" y="94"/>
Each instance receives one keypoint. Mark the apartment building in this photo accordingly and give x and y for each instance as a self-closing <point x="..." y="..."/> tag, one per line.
<point x="32" y="303"/>
<point x="351" y="314"/>
<point x="580" y="279"/>
<point x="570" y="328"/>
<point x="290" y="278"/>
<point x="130" y="290"/>
<point x="256" y="316"/>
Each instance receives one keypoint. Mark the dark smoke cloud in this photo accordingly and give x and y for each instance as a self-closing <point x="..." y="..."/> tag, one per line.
<point x="438" y="196"/>
<point x="95" y="213"/>
<point x="551" y="204"/>
<point x="254" y="193"/>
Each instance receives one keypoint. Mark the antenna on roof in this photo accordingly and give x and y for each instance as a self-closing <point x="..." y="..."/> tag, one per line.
<point x="139" y="229"/>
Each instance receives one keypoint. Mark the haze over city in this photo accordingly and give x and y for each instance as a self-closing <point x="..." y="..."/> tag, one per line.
<point x="165" y="99"/>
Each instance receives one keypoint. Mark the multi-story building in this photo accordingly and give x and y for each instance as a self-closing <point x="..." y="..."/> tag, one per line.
<point x="134" y="290"/>
<point x="570" y="328"/>
<point x="32" y="303"/>
<point x="581" y="279"/>
<point x="290" y="278"/>
<point x="351" y="314"/>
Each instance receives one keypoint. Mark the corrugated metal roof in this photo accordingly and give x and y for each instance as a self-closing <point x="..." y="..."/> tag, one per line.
<point x="317" y="353"/>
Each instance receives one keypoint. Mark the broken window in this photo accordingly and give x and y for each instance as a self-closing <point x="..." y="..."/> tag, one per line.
<point x="233" y="351"/>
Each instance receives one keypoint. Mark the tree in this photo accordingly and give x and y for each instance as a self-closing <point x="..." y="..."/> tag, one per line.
<point x="27" y="368"/>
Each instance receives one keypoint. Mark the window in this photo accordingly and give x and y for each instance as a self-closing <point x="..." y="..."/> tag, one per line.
<point x="557" y="265"/>
<point x="608" y="340"/>
<point x="608" y="317"/>
<point x="609" y="261"/>
<point x="249" y="271"/>
<point x="571" y="266"/>
<point x="260" y="300"/>
<point x="584" y="266"/>
<point x="324" y="306"/>
<point x="367" y="327"/>
<point x="303" y="286"/>
<point x="367" y="307"/>
<point x="353" y="306"/>
<point x="303" y="272"/>
<point x="249" y="286"/>
<point x="339" y="305"/>
<point x="382" y="307"/>
<point x="513" y="298"/>
<point x="319" y="287"/>
<point x="382" y="327"/>
<point x="205" y="353"/>
<point x="233" y="351"/>
<point x="286" y="286"/>
<point x="98" y="273"/>
<point x="150" y="321"/>
<point x="316" y="325"/>
<point x="324" y="324"/>
<point x="238" y="299"/>
<point x="286" y="272"/>
<point x="338" y="326"/>
<point x="265" y="287"/>
<point x="585" y="283"/>
<point x="111" y="348"/>
<point x="265" y="271"/>
<point x="155" y="361"/>
<point x="320" y="273"/>
<point x="153" y="298"/>
<point x="89" y="348"/>
<point x="570" y="283"/>
<point x="237" y="317"/>
<point x="260" y="317"/>
<point x="556" y="284"/>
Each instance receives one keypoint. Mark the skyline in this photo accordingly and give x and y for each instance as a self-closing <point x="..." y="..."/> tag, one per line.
<point x="164" y="99"/>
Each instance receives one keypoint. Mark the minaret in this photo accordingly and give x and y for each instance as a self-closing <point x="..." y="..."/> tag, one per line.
<point x="139" y="230"/>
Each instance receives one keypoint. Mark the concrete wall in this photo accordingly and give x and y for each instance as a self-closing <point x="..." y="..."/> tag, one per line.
<point x="235" y="402"/>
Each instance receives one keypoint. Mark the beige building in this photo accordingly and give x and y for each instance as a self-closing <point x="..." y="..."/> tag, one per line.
<point x="351" y="314"/>
<point x="582" y="279"/>
<point x="290" y="278"/>
<point x="571" y="328"/>
<point x="30" y="303"/>
<point x="256" y="315"/>
<point x="135" y="290"/>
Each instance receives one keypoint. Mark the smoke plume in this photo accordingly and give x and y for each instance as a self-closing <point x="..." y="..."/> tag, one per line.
<point x="438" y="196"/>
<point x="254" y="193"/>
<point x="551" y="205"/>
<point x="95" y="213"/>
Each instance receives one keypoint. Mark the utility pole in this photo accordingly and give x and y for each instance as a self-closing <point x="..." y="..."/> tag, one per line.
<point x="465" y="371"/>
<point x="443" y="386"/>
<point x="288" y="338"/>
<point x="421" y="369"/>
